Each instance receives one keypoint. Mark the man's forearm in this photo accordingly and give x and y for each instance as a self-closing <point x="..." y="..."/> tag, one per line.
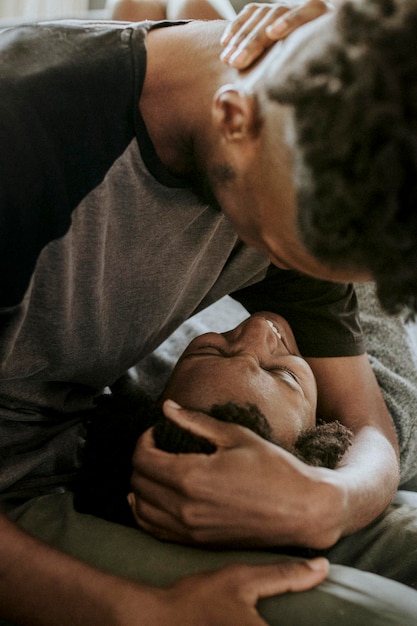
<point x="345" y="500"/>
<point x="368" y="478"/>
<point x="41" y="586"/>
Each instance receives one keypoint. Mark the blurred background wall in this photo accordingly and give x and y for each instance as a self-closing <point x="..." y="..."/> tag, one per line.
<point x="47" y="9"/>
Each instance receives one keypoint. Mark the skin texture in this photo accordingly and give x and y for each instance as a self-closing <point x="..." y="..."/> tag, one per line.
<point x="250" y="364"/>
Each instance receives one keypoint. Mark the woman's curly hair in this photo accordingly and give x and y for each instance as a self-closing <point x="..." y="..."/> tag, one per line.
<point x="355" y="117"/>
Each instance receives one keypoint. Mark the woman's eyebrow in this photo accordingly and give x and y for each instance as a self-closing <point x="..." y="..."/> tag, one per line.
<point x="200" y="352"/>
<point x="274" y="371"/>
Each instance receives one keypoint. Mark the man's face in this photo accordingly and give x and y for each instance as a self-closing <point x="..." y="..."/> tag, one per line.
<point x="258" y="363"/>
<point x="261" y="200"/>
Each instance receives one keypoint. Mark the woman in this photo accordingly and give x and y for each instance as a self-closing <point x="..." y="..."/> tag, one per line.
<point x="252" y="375"/>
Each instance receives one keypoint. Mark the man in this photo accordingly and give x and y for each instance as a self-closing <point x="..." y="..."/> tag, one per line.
<point x="375" y="230"/>
<point x="366" y="223"/>
<point x="106" y="249"/>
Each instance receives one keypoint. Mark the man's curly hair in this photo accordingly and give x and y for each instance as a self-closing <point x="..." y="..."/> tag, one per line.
<point x="355" y="118"/>
<point x="113" y="429"/>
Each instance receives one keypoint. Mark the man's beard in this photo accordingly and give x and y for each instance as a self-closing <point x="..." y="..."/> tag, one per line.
<point x="203" y="184"/>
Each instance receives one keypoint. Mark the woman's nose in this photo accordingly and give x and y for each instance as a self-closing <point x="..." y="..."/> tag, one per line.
<point x="255" y="334"/>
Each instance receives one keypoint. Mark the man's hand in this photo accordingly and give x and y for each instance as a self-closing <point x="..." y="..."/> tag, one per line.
<point x="248" y="493"/>
<point x="229" y="596"/>
<point x="258" y="26"/>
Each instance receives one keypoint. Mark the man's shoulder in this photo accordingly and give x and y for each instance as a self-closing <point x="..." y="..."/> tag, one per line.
<point x="30" y="49"/>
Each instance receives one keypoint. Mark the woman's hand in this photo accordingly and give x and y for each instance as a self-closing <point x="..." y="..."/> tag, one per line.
<point x="258" y="26"/>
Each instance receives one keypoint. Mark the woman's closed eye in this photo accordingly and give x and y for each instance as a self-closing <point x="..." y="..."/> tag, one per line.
<point x="286" y="370"/>
<point x="211" y="349"/>
<point x="282" y="368"/>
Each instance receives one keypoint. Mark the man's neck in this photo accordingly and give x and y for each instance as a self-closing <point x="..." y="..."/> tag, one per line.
<point x="183" y="73"/>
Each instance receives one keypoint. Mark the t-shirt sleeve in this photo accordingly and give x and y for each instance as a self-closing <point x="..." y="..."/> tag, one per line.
<point x="25" y="222"/>
<point x="323" y="315"/>
<point x="66" y="113"/>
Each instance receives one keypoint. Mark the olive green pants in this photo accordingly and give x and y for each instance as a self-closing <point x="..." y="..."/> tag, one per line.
<point x="348" y="597"/>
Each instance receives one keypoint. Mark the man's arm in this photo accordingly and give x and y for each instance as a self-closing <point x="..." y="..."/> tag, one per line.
<point x="40" y="586"/>
<point x="369" y="476"/>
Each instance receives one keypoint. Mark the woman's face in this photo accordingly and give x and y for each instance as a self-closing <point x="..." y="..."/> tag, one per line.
<point x="257" y="362"/>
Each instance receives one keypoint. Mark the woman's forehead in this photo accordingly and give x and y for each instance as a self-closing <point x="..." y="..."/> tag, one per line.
<point x="200" y="381"/>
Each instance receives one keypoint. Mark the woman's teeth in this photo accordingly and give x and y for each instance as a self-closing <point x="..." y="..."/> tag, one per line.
<point x="270" y="324"/>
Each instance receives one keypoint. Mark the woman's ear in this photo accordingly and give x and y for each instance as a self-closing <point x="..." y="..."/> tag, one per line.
<point x="235" y="114"/>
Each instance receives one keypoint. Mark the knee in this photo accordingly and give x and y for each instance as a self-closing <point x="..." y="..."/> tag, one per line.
<point x="138" y="10"/>
<point x="199" y="9"/>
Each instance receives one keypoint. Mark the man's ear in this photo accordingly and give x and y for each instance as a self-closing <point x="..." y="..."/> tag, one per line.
<point x="235" y="114"/>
